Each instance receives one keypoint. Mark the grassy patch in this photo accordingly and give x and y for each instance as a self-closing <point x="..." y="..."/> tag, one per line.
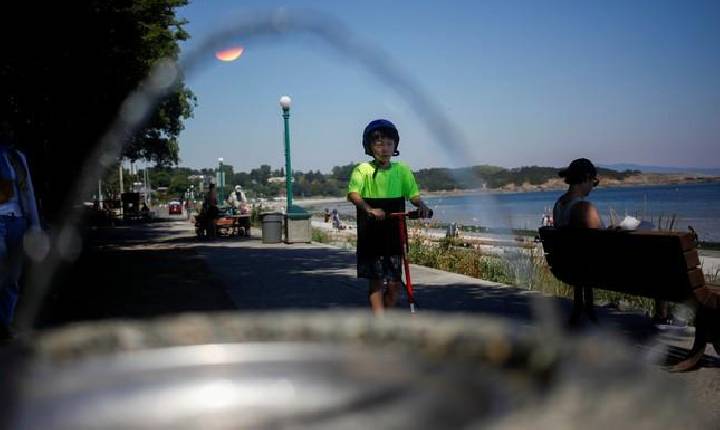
<point x="342" y="241"/>
<point x="445" y="255"/>
<point x="713" y="277"/>
<point x="320" y="236"/>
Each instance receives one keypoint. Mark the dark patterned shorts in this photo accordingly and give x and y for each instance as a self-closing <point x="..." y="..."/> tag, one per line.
<point x="387" y="268"/>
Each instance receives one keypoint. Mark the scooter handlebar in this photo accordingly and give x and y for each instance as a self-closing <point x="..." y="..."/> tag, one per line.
<point x="416" y="215"/>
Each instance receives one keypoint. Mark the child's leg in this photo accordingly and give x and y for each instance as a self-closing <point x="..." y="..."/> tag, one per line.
<point x="391" y="294"/>
<point x="376" y="296"/>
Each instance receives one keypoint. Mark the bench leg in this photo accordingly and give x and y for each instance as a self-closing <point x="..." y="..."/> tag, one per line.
<point x="577" y="306"/>
<point x="590" y="304"/>
<point x="583" y="300"/>
<point x="661" y="314"/>
<point x="698" y="348"/>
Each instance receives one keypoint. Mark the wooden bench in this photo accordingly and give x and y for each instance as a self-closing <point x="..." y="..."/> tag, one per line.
<point x="229" y="225"/>
<point x="658" y="265"/>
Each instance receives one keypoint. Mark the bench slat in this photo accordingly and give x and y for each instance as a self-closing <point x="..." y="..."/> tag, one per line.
<point x="708" y="296"/>
<point x="658" y="265"/>
<point x="692" y="259"/>
<point x="697" y="278"/>
<point x="685" y="240"/>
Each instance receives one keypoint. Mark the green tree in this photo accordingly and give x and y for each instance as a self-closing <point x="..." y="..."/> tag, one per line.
<point x="61" y="102"/>
<point x="178" y="185"/>
<point x="342" y="173"/>
<point x="243" y="179"/>
<point x="261" y="175"/>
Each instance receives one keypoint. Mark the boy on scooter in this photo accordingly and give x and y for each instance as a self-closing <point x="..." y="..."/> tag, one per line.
<point x="379" y="188"/>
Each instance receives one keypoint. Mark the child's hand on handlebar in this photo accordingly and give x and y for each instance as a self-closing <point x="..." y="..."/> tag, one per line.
<point x="376" y="213"/>
<point x="424" y="211"/>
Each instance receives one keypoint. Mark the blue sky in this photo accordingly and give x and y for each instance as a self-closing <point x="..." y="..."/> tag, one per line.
<point x="524" y="82"/>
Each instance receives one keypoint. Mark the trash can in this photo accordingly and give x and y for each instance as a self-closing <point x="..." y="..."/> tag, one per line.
<point x="297" y="225"/>
<point x="272" y="227"/>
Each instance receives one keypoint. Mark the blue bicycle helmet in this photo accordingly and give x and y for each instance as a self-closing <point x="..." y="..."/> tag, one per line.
<point x="380" y="124"/>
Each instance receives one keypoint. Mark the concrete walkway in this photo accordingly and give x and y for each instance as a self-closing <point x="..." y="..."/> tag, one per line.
<point x="266" y="277"/>
<point x="260" y="276"/>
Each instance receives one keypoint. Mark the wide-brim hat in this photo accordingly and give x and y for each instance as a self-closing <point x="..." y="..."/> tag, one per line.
<point x="579" y="168"/>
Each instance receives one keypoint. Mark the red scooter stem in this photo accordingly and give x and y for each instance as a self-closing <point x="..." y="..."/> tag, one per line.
<point x="405" y="249"/>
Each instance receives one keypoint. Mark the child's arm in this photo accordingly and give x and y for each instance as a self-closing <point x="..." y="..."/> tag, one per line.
<point x="423" y="210"/>
<point x="358" y="201"/>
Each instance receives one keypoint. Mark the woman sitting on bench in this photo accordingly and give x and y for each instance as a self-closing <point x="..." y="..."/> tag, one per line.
<point x="572" y="210"/>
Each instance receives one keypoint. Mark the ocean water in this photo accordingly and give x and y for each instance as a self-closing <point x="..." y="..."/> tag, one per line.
<point x="697" y="205"/>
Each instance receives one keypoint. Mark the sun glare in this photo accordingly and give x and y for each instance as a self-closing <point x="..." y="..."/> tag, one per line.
<point x="231" y="54"/>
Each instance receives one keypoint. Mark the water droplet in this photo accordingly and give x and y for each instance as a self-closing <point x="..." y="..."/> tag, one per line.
<point x="163" y="75"/>
<point x="36" y="244"/>
<point x="135" y="108"/>
<point x="281" y="19"/>
<point x="111" y="155"/>
<point x="69" y="244"/>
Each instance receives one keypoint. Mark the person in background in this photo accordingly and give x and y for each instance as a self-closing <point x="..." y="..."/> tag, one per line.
<point x="573" y="209"/>
<point x="336" y="220"/>
<point x="377" y="189"/>
<point x="237" y="200"/>
<point x="18" y="215"/>
<point x="211" y="212"/>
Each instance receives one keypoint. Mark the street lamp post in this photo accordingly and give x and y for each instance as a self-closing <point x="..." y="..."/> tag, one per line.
<point x="285" y="104"/>
<point x="220" y="182"/>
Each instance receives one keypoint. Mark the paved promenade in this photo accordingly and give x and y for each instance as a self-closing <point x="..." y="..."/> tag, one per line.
<point x="253" y="276"/>
<point x="260" y="276"/>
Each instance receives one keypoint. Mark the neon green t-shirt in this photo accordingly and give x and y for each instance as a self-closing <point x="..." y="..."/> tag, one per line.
<point x="397" y="181"/>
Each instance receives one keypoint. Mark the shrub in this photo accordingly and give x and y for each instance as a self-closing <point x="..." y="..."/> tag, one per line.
<point x="447" y="255"/>
<point x="320" y="236"/>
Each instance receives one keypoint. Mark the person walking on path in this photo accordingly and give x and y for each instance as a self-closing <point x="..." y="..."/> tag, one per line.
<point x="210" y="207"/>
<point x="18" y="214"/>
<point x="377" y="189"/>
<point x="573" y="210"/>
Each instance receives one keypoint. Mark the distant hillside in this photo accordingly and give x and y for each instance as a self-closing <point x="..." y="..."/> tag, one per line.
<point x="665" y="169"/>
<point x="494" y="177"/>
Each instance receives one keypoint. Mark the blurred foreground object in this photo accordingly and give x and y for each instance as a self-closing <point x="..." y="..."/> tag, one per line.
<point x="336" y="371"/>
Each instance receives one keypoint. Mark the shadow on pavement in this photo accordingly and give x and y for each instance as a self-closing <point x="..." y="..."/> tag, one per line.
<point x="136" y="283"/>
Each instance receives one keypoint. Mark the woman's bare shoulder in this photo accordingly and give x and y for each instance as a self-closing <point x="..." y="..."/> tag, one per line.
<point x="586" y="214"/>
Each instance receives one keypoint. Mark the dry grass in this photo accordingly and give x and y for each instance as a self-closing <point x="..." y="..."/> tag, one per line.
<point x="446" y="256"/>
<point x="331" y="238"/>
<point x="713" y="277"/>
